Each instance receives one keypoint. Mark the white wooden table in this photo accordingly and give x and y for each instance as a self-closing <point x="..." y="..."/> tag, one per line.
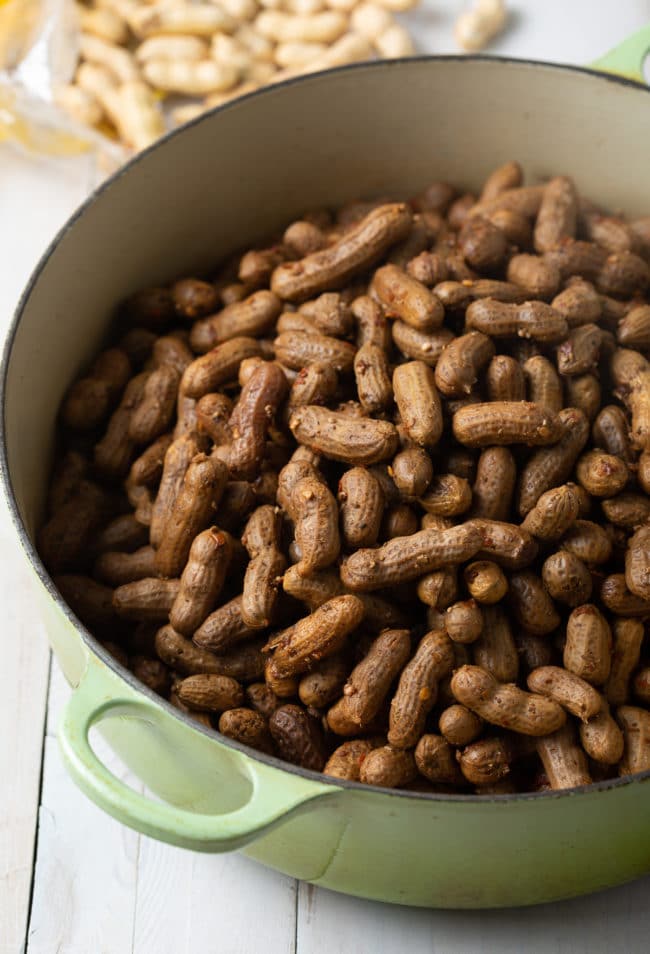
<point x="72" y="880"/>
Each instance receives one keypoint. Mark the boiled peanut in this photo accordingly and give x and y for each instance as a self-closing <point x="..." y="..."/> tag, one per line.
<point x="506" y="705"/>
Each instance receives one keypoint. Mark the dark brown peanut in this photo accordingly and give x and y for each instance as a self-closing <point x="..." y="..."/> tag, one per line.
<point x="372" y="325"/>
<point x="537" y="276"/>
<point x="505" y="543"/>
<point x="610" y="431"/>
<point x="524" y="199"/>
<point x="91" y="601"/>
<point x="634" y="329"/>
<point x="202" y="580"/>
<point x="434" y="758"/>
<point x="317" y="636"/>
<point x="506" y="422"/>
<point x="261" y="538"/>
<point x="588" y="542"/>
<point x="567" y="578"/>
<point x="315" y="384"/>
<point x="628" y="637"/>
<point x="373" y="380"/>
<point x="117" y="568"/>
<point x="627" y="510"/>
<point x="224" y="628"/>
<point x="298" y="737"/>
<point x="483" y="245"/>
<point x="388" y="767"/>
<point x="340" y="437"/>
<point x="218" y="367"/>
<point x="147" y="469"/>
<point x="150" y="307"/>
<point x="551" y="466"/>
<point x="193" y="298"/>
<point x="297" y="350"/>
<point x="601" y="475"/>
<point x="152" y="672"/>
<point x="91" y="398"/>
<point x="418" y="689"/>
<point x="246" y="727"/>
<point x="583" y="391"/>
<point x="531" y="605"/>
<point x="460" y="363"/>
<point x="485" y="582"/>
<point x="66" y="535"/>
<point x="324" y="684"/>
<point x="553" y="514"/>
<point x="361" y="502"/>
<point x="146" y="600"/>
<point x="486" y="762"/>
<point x="637" y="563"/>
<point x="580" y="351"/>
<point x="623" y="275"/>
<point x="152" y="416"/>
<point x="588" y="647"/>
<point x="178" y="457"/>
<point x="544" y="385"/>
<point x="352" y="254"/>
<point x="504" y="379"/>
<point x="494" y="485"/>
<point x="429" y="268"/>
<point x="621" y="601"/>
<point x="447" y="496"/>
<point x="579" y="303"/>
<point x="641" y="685"/>
<point x="345" y="761"/>
<point x="459" y="725"/>
<point x="121" y="533"/>
<point x="208" y="692"/>
<point x="262" y="698"/>
<point x="495" y="650"/>
<point x="438" y="589"/>
<point x="369" y="683"/>
<point x="256" y="267"/>
<point x="253" y="317"/>
<point x="114" y="452"/>
<point x="575" y="257"/>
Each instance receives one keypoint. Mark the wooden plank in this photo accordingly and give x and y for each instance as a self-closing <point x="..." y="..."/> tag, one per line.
<point x="86" y="868"/>
<point x="599" y="924"/>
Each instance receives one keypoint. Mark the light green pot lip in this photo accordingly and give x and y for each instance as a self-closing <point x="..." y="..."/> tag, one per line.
<point x="33" y="556"/>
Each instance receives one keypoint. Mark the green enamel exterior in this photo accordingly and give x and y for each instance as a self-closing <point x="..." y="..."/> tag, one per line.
<point x="400" y="847"/>
<point x="627" y="58"/>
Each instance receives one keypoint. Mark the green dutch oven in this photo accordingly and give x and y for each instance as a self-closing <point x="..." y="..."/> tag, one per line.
<point x="218" y="184"/>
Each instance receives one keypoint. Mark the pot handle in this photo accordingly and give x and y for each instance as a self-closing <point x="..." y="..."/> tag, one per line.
<point x="627" y="58"/>
<point x="270" y="802"/>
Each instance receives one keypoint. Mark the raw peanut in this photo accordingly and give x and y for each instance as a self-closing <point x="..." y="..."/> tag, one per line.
<point x="486" y="762"/>
<point x="92" y="602"/>
<point x="429" y="268"/>
<point x="621" y="601"/>
<point x="507" y="176"/>
<point x="249" y="422"/>
<point x="315" y="384"/>
<point x="171" y="48"/>
<point x="262" y="699"/>
<point x="438" y="589"/>
<point x="296" y="350"/>
<point x="627" y="510"/>
<point x="494" y="485"/>
<point x="317" y="636"/>
<point x="557" y="215"/>
<point x="345" y="761"/>
<point x="418" y="402"/>
<point x="583" y="391"/>
<point x="152" y="416"/>
<point x="505" y="705"/>
<point x="320" y="27"/>
<point x="534" y="651"/>
<point x="324" y="684"/>
<point x="418" y="689"/>
<point x="372" y="376"/>
<point x="447" y="496"/>
<point x="551" y="466"/>
<point x="218" y="367"/>
<point x="610" y="431"/>
<point x="564" y="762"/>
<point x="495" y="649"/>
<point x="298" y="737"/>
<point x="464" y="622"/>
<point x="531" y="605"/>
<point x="553" y="514"/>
<point x="588" y="542"/>
<point x="369" y="682"/>
<point x="208" y="692"/>
<point x="66" y="535"/>
<point x="196" y="501"/>
<point x="264" y="571"/>
<point x="537" y="276"/>
<point x="567" y="689"/>
<point x="412" y="472"/>
<point x="340" y="437"/>
<point x="459" y="725"/>
<point x="212" y="414"/>
<point x="91" y="398"/>
<point x="224" y="628"/>
<point x="483" y="246"/>
<point x="252" y="318"/>
<point x="388" y="767"/>
<point x="601" y="737"/>
<point x="460" y="363"/>
<point x="121" y="533"/>
<point x="506" y="422"/>
<point x="524" y="199"/>
<point x="419" y="346"/>
<point x="544" y="385"/>
<point x="578" y="303"/>
<point x="566" y="578"/>
<point x="505" y="543"/>
<point x="372" y="325"/>
<point x="202" y="580"/>
<point x="635" y="724"/>
<point x="588" y="647"/>
<point x="532" y="319"/>
<point x="117" y="568"/>
<point x="601" y="475"/>
<point x="177" y="459"/>
<point x="406" y="298"/>
<point x="504" y="379"/>
<point x="407" y="558"/>
<point x="634" y="329"/>
<point x="146" y="600"/>
<point x="190" y="77"/>
<point x="485" y="582"/>
<point x="628" y="637"/>
<point x="352" y="254"/>
<point x="434" y="758"/>
<point x="246" y="727"/>
<point x="147" y="469"/>
<point x="641" y="685"/>
<point x="460" y="294"/>
<point x="361" y="502"/>
<point x="580" y="351"/>
<point x="637" y="563"/>
<point x="316" y="525"/>
<point x="193" y="298"/>
<point x="623" y="275"/>
<point x="113" y="453"/>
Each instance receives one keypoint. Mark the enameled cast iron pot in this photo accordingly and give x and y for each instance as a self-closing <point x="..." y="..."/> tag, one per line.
<point x="218" y="184"/>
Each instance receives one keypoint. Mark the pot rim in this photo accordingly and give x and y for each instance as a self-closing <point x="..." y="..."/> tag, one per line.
<point x="32" y="554"/>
